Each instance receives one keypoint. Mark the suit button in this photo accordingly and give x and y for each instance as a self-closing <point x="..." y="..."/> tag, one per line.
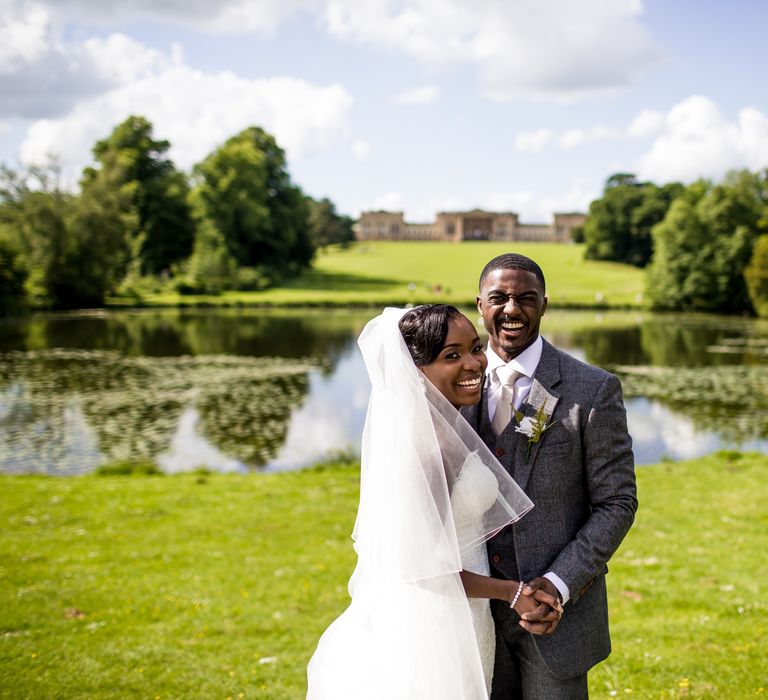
<point x="499" y="452"/>
<point x="496" y="558"/>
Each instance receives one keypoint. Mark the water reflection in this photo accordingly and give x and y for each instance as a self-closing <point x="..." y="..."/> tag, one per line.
<point x="190" y="450"/>
<point x="248" y="389"/>
<point x="134" y="407"/>
<point x="657" y="433"/>
<point x="54" y="441"/>
<point x="332" y="417"/>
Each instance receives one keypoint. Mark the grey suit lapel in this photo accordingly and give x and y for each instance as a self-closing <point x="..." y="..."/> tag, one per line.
<point x="542" y="393"/>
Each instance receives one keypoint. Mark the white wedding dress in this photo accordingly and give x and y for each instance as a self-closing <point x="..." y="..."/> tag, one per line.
<point x="473" y="494"/>
<point x="431" y="495"/>
<point x="401" y="640"/>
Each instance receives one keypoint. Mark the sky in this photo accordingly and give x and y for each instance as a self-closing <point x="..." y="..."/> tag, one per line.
<point x="412" y="105"/>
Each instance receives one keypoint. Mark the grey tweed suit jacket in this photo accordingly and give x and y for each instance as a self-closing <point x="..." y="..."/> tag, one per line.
<point x="581" y="479"/>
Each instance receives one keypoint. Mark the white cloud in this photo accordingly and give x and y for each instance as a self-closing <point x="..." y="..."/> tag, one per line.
<point x="536" y="49"/>
<point x="361" y="150"/>
<point x="196" y="112"/>
<point x="540" y="49"/>
<point x="698" y="141"/>
<point x="78" y="91"/>
<point x="533" y="209"/>
<point x="23" y="35"/>
<point x="533" y="141"/>
<point x="43" y="76"/>
<point x="419" y="96"/>
<point x="642" y="126"/>
<point x="692" y="140"/>
<point x="578" y="137"/>
<point x="223" y="16"/>
<point x="647" y="123"/>
<point x="121" y="60"/>
<point x="576" y="198"/>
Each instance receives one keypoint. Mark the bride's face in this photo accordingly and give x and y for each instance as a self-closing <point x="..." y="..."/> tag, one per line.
<point x="457" y="372"/>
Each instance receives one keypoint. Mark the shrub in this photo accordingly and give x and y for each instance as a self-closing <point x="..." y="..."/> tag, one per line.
<point x="756" y="276"/>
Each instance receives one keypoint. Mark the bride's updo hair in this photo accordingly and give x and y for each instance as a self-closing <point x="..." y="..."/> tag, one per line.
<point x="425" y="328"/>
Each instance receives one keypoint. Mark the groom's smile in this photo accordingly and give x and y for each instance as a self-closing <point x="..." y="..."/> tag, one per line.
<point x="511" y="303"/>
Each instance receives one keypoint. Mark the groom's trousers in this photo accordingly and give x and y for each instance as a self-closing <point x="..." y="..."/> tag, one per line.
<point x="519" y="672"/>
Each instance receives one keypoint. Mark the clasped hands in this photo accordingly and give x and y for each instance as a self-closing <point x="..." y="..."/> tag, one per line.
<point x="539" y="606"/>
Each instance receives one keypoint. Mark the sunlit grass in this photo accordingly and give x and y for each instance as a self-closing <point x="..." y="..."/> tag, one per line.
<point x="217" y="586"/>
<point x="381" y="273"/>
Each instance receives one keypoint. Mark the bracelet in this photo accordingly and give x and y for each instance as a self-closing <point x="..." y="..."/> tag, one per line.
<point x="517" y="595"/>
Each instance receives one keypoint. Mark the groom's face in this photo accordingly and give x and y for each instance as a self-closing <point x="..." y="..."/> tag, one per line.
<point x="511" y="303"/>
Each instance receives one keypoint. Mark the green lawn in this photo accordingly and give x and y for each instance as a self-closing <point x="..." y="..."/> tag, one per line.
<point x="219" y="586"/>
<point x="380" y="273"/>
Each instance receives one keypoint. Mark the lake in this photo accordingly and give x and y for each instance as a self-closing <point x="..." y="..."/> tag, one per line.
<point x="251" y="389"/>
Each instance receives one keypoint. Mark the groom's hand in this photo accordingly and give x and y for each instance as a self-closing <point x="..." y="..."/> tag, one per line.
<point x="544" y="618"/>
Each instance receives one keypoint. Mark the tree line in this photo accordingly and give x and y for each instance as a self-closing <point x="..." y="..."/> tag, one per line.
<point x="705" y="245"/>
<point x="139" y="224"/>
<point x="237" y="222"/>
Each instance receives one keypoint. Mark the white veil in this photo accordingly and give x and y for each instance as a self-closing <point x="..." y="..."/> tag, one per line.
<point x="414" y="446"/>
<point x="408" y="632"/>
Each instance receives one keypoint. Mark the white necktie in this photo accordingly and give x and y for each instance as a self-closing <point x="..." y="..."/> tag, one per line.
<point x="506" y="405"/>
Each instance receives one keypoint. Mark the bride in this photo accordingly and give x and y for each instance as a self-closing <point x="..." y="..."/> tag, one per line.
<point x="419" y="624"/>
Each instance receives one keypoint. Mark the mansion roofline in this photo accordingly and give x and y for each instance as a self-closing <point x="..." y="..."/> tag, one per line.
<point x="474" y="225"/>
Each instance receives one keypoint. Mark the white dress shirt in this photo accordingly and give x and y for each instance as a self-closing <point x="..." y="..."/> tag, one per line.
<point x="525" y="363"/>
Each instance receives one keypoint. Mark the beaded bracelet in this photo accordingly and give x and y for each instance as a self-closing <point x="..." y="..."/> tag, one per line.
<point x="517" y="595"/>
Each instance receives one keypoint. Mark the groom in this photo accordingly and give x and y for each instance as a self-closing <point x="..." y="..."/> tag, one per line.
<point x="559" y="427"/>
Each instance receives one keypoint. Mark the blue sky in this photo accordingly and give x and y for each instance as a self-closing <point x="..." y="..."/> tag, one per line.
<point x="419" y="105"/>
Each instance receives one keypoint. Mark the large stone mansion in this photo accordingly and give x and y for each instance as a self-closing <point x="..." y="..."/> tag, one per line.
<point x="475" y="225"/>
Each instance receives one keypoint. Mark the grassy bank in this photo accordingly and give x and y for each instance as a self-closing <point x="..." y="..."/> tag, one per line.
<point x="381" y="273"/>
<point x="219" y="586"/>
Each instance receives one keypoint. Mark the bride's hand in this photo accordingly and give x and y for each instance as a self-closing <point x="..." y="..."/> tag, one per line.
<point x="525" y="603"/>
<point x="543" y="609"/>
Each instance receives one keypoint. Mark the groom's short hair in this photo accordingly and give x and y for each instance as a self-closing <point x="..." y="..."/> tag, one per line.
<point x="513" y="261"/>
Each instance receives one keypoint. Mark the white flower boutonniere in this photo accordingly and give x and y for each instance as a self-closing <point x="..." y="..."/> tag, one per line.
<point x="533" y="427"/>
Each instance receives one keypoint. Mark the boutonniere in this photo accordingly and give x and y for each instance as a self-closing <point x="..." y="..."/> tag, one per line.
<point x="533" y="427"/>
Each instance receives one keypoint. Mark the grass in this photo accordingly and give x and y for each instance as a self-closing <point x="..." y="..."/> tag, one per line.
<point x="218" y="586"/>
<point x="380" y="273"/>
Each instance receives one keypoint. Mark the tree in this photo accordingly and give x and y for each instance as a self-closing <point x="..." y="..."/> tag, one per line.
<point x="704" y="244"/>
<point x="326" y="226"/>
<point x="163" y="229"/>
<point x="756" y="276"/>
<point x="620" y="222"/>
<point x="35" y="216"/>
<point x="74" y="248"/>
<point x="13" y="274"/>
<point x="212" y="269"/>
<point x="104" y="225"/>
<point x="243" y="188"/>
<point x="621" y="180"/>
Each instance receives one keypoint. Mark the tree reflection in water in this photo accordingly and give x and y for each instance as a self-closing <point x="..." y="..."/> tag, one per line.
<point x="133" y="405"/>
<point x="80" y="389"/>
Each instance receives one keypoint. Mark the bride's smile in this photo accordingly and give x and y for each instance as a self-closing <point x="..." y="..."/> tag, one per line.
<point x="457" y="371"/>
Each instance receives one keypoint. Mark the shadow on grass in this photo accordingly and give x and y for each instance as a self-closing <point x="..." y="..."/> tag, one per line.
<point x="341" y="281"/>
